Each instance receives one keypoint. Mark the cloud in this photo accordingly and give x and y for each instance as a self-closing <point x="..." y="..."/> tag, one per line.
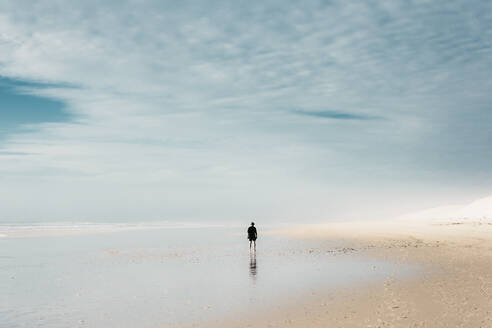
<point x="339" y="115"/>
<point x="191" y="100"/>
<point x="11" y="153"/>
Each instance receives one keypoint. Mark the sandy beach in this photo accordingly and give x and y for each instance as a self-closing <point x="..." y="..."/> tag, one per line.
<point x="454" y="288"/>
<point x="144" y="146"/>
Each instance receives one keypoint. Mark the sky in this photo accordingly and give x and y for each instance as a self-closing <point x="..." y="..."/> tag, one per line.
<point x="277" y="111"/>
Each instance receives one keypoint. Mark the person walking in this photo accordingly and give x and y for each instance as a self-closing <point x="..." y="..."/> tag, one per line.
<point x="252" y="235"/>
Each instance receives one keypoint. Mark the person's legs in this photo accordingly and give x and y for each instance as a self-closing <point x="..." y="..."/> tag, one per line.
<point x="250" y="241"/>
<point x="254" y="241"/>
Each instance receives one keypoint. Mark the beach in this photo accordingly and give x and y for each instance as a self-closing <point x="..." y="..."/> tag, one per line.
<point x="454" y="288"/>
<point x="165" y="275"/>
<point x="353" y="274"/>
<point x="145" y="145"/>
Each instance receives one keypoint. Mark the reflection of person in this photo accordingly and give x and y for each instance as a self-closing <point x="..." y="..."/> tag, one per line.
<point x="252" y="235"/>
<point x="252" y="265"/>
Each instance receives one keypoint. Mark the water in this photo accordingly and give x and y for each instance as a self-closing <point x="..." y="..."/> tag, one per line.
<point x="164" y="276"/>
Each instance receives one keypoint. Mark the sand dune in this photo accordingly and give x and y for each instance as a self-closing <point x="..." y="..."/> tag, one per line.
<point x="478" y="210"/>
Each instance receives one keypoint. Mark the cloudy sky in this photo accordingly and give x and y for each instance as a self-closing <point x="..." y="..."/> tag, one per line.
<point x="231" y="110"/>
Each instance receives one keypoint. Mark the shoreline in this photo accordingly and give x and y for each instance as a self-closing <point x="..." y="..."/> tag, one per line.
<point x="454" y="288"/>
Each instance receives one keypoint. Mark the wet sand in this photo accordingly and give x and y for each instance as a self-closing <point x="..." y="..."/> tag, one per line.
<point x="454" y="288"/>
<point x="120" y="275"/>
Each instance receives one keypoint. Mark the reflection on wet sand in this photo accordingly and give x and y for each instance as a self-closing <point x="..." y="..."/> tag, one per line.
<point x="252" y="265"/>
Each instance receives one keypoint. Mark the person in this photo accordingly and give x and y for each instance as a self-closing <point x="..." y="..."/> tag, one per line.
<point x="252" y="235"/>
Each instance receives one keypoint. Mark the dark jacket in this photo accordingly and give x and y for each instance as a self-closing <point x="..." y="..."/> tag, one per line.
<point x="252" y="234"/>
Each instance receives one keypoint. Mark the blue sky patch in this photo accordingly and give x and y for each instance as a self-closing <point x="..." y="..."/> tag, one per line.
<point x="18" y="108"/>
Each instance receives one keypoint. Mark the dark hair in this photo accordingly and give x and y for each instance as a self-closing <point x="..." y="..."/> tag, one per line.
<point x="252" y="223"/>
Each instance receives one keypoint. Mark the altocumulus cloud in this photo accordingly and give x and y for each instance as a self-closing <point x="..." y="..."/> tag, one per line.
<point x="185" y="108"/>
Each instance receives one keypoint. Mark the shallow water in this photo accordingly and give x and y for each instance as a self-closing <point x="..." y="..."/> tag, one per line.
<point x="165" y="276"/>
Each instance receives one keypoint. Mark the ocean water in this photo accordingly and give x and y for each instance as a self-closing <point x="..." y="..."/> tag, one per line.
<point x="163" y="276"/>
